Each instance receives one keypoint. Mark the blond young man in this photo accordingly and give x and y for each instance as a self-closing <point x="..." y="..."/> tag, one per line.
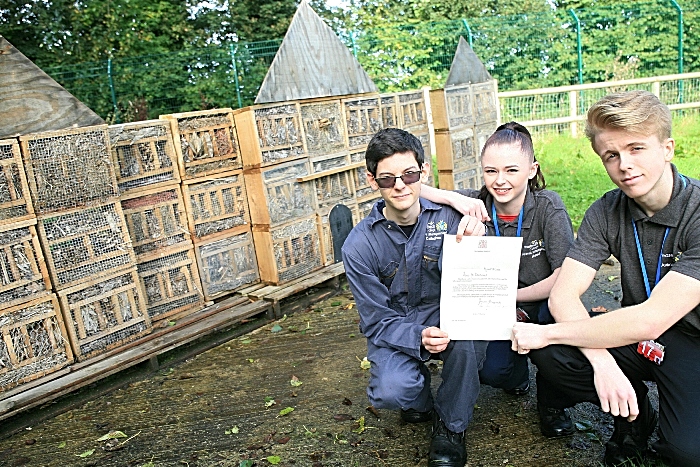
<point x="651" y="224"/>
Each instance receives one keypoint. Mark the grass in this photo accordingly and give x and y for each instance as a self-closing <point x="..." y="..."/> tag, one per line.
<point x="573" y="170"/>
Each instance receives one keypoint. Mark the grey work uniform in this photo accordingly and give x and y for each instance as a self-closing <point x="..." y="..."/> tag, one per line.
<point x="547" y="236"/>
<point x="607" y="229"/>
<point x="395" y="280"/>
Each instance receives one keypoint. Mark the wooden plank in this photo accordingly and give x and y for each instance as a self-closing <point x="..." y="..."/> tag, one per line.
<point x="15" y="200"/>
<point x="312" y="62"/>
<point x="30" y="101"/>
<point x="219" y="316"/>
<point x="306" y="282"/>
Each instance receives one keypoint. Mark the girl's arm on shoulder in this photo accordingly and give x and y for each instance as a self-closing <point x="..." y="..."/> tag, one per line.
<point x="467" y="206"/>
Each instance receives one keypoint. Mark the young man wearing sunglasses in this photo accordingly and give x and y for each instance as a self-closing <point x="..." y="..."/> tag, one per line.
<point x="392" y="262"/>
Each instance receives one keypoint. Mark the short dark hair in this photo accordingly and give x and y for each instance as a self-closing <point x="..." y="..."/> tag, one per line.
<point x="389" y="141"/>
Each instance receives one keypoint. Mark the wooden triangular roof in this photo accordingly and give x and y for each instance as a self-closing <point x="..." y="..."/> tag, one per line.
<point x="466" y="67"/>
<point x="32" y="102"/>
<point x="312" y="62"/>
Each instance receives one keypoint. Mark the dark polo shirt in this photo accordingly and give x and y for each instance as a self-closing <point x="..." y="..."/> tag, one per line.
<point x="607" y="229"/>
<point x="546" y="231"/>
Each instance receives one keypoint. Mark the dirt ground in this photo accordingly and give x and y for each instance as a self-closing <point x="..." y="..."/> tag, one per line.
<point x="292" y="393"/>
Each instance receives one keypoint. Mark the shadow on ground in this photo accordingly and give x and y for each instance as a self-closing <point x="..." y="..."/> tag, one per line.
<point x="292" y="393"/>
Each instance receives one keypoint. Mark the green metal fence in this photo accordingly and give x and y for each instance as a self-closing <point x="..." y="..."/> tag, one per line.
<point x="555" y="48"/>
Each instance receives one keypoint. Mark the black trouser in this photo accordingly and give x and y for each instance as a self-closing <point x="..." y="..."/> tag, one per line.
<point x="567" y="379"/>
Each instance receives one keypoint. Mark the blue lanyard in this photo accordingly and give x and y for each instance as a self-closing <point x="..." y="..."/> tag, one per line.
<point x="495" y="221"/>
<point x="648" y="286"/>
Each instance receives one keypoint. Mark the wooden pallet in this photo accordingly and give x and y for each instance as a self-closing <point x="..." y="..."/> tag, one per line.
<point x="227" y="263"/>
<point x="15" y="201"/>
<point x="276" y="293"/>
<point x="144" y="155"/>
<point x="171" y="284"/>
<point x="85" y="243"/>
<point x="275" y="194"/>
<point x="269" y="134"/>
<point x="363" y="119"/>
<point x="33" y="341"/>
<point x="205" y="142"/>
<point x="104" y="313"/>
<point x="412" y="114"/>
<point x="23" y="273"/>
<point x="216" y="204"/>
<point x="156" y="219"/>
<point x="69" y="168"/>
<point x="210" y="320"/>
<point x="289" y="251"/>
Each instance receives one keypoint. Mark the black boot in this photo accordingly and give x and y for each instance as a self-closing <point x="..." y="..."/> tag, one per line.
<point x="414" y="416"/>
<point x="446" y="447"/>
<point x="555" y="423"/>
<point x="628" y="442"/>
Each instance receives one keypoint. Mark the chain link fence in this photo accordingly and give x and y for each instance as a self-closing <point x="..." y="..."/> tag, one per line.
<point x="555" y="48"/>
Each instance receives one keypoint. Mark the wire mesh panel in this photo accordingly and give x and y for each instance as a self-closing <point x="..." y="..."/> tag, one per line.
<point x="485" y="98"/>
<point x="227" y="264"/>
<point x="329" y="162"/>
<point x="388" y="106"/>
<point x="23" y="274"/>
<point x="143" y="154"/>
<point x="289" y="251"/>
<point x="171" y="284"/>
<point x="412" y="115"/>
<point x="324" y="127"/>
<point x="156" y="219"/>
<point x="334" y="188"/>
<point x="83" y="244"/>
<point x="15" y="202"/>
<point x="452" y="107"/>
<point x="456" y="150"/>
<point x="216" y="205"/>
<point x="365" y="205"/>
<point x="269" y="134"/>
<point x="358" y="155"/>
<point x="362" y="186"/>
<point x="33" y="341"/>
<point x="276" y="196"/>
<point x="104" y="313"/>
<point x="69" y="168"/>
<point x="205" y="142"/>
<point x="362" y="119"/>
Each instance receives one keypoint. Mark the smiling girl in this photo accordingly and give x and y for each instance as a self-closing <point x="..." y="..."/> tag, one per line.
<point x="515" y="197"/>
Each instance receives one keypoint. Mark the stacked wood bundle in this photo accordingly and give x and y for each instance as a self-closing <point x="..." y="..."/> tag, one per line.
<point x="465" y="114"/>
<point x="215" y="200"/>
<point x="83" y="233"/>
<point x="149" y="177"/>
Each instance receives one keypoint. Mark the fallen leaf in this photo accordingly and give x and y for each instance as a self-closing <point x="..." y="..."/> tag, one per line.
<point x="269" y="402"/>
<point x="365" y="364"/>
<point x="62" y="444"/>
<point x="612" y="278"/>
<point x="347" y="307"/>
<point x="274" y="460"/>
<point x="86" y="453"/>
<point x="286" y="411"/>
<point x="112" y="435"/>
<point x="343" y="417"/>
<point x="276" y="328"/>
<point x="295" y="381"/>
<point x="246" y="341"/>
<point x="232" y="431"/>
<point x="336" y="303"/>
<point x="373" y="411"/>
<point x="283" y="440"/>
<point x="246" y="463"/>
<point x="347" y="401"/>
<point x="599" y="309"/>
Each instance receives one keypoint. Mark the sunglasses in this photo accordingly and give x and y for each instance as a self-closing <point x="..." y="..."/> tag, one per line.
<point x="408" y="178"/>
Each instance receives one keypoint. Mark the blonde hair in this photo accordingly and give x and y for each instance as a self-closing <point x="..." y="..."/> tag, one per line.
<point x="634" y="111"/>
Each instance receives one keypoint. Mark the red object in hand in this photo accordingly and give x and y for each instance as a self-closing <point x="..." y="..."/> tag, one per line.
<point x="652" y="351"/>
<point x="521" y="315"/>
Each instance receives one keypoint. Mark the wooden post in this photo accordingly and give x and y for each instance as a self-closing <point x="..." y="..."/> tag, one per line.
<point x="573" y="112"/>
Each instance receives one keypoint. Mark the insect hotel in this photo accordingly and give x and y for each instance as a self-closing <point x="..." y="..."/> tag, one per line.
<point x="121" y="242"/>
